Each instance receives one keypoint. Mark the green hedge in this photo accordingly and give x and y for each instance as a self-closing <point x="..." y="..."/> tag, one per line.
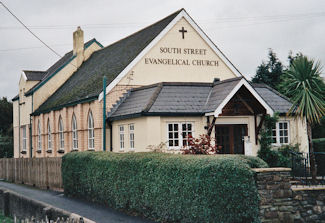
<point x="166" y="187"/>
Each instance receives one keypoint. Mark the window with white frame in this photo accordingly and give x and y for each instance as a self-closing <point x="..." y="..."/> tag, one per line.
<point x="61" y="134"/>
<point x="74" y="133"/>
<point x="24" y="138"/>
<point x="91" y="136"/>
<point x="49" y="136"/>
<point x="178" y="134"/>
<point x="121" y="133"/>
<point x="131" y="135"/>
<point x="39" y="137"/>
<point x="280" y="133"/>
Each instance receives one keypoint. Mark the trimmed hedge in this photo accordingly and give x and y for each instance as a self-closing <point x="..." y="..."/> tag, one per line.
<point x="166" y="187"/>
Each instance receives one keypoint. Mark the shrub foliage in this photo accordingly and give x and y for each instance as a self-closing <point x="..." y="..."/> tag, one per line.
<point x="166" y="187"/>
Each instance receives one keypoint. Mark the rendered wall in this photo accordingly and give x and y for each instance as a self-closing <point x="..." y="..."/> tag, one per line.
<point x="145" y="73"/>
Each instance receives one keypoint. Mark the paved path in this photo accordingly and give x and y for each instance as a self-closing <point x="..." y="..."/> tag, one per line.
<point x="95" y="212"/>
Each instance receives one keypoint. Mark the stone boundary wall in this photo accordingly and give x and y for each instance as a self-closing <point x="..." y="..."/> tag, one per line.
<point x="14" y="204"/>
<point x="280" y="202"/>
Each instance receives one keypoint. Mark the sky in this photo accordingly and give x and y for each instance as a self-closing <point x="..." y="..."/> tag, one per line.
<point x="243" y="30"/>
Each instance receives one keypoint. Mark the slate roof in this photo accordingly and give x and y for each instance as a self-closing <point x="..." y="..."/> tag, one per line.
<point x="57" y="66"/>
<point x="86" y="82"/>
<point x="33" y="75"/>
<point x="219" y="92"/>
<point x="278" y="102"/>
<point x="187" y="99"/>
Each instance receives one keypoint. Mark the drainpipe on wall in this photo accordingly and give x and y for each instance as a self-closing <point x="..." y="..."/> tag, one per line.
<point x="30" y="129"/>
<point x="104" y="113"/>
<point x="111" y="136"/>
<point x="19" y="127"/>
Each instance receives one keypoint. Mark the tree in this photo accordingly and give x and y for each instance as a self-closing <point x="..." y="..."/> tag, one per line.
<point x="5" y="117"/>
<point x="306" y="90"/>
<point x="6" y="129"/>
<point x="270" y="72"/>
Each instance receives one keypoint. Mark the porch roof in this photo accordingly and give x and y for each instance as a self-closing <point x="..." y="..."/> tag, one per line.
<point x="191" y="99"/>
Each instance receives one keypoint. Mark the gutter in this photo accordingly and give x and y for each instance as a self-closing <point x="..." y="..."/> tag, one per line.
<point x="89" y="99"/>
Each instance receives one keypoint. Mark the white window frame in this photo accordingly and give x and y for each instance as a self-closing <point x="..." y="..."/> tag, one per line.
<point x="24" y="138"/>
<point x="39" y="136"/>
<point x="74" y="127"/>
<point x="61" y="134"/>
<point x="179" y="132"/>
<point x="49" y="136"/>
<point x="121" y="129"/>
<point x="131" y="136"/>
<point x="91" y="134"/>
<point x="277" y="133"/>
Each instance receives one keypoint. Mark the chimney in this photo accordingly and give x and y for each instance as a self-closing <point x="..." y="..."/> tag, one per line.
<point x="216" y="80"/>
<point x="78" y="45"/>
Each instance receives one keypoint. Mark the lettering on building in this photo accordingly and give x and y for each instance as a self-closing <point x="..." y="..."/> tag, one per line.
<point x="181" y="61"/>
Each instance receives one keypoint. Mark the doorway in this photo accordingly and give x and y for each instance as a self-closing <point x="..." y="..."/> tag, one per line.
<point x="231" y="138"/>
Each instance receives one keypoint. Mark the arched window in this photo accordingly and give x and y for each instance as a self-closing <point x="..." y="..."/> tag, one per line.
<point x="91" y="137"/>
<point x="74" y="133"/>
<point x="39" y="136"/>
<point x="61" y="135"/>
<point x="49" y="135"/>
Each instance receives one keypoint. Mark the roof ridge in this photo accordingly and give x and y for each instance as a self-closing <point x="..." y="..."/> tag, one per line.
<point x="228" y="80"/>
<point x="34" y="71"/>
<point x="172" y="14"/>
<point x="153" y="97"/>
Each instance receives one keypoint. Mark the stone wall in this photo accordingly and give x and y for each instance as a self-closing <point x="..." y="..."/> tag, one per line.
<point x="280" y="202"/>
<point x="310" y="204"/>
<point x="14" y="204"/>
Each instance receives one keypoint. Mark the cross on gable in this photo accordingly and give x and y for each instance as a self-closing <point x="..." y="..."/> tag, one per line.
<point x="183" y="31"/>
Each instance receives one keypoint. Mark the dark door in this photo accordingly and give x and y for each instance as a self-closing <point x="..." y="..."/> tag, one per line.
<point x="231" y="138"/>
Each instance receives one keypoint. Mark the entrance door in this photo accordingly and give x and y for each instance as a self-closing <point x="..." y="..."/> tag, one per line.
<point x="231" y="138"/>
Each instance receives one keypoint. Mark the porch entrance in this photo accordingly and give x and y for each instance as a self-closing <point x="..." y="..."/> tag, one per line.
<point x="231" y="138"/>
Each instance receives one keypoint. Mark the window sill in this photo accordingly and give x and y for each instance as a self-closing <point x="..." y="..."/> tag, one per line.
<point x="132" y="150"/>
<point x="91" y="149"/>
<point x="61" y="151"/>
<point x="49" y="151"/>
<point x="74" y="150"/>
<point x="23" y="152"/>
<point x="39" y="151"/>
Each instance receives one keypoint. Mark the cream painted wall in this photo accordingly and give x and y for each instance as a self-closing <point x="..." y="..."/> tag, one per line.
<point x="297" y="132"/>
<point x="151" y="131"/>
<point x="144" y="73"/>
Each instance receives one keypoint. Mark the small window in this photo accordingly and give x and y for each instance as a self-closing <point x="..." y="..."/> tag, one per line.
<point x="24" y="138"/>
<point x="49" y="136"/>
<point x="39" y="137"/>
<point x="74" y="133"/>
<point x="61" y="134"/>
<point x="91" y="136"/>
<point x="178" y="134"/>
<point x="131" y="132"/>
<point x="121" y="132"/>
<point x="280" y="133"/>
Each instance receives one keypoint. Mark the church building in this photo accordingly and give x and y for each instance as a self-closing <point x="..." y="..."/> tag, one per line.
<point x="162" y="84"/>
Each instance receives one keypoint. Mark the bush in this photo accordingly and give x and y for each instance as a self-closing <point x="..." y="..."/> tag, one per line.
<point x="319" y="147"/>
<point x="280" y="157"/>
<point x="166" y="187"/>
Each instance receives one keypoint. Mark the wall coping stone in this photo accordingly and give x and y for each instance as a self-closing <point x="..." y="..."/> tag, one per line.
<point x="308" y="188"/>
<point x="277" y="169"/>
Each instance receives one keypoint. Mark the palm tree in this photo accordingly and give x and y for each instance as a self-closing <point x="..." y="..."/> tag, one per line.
<point x="306" y="90"/>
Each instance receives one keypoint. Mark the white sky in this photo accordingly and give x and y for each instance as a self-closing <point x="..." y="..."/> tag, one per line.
<point x="243" y="30"/>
